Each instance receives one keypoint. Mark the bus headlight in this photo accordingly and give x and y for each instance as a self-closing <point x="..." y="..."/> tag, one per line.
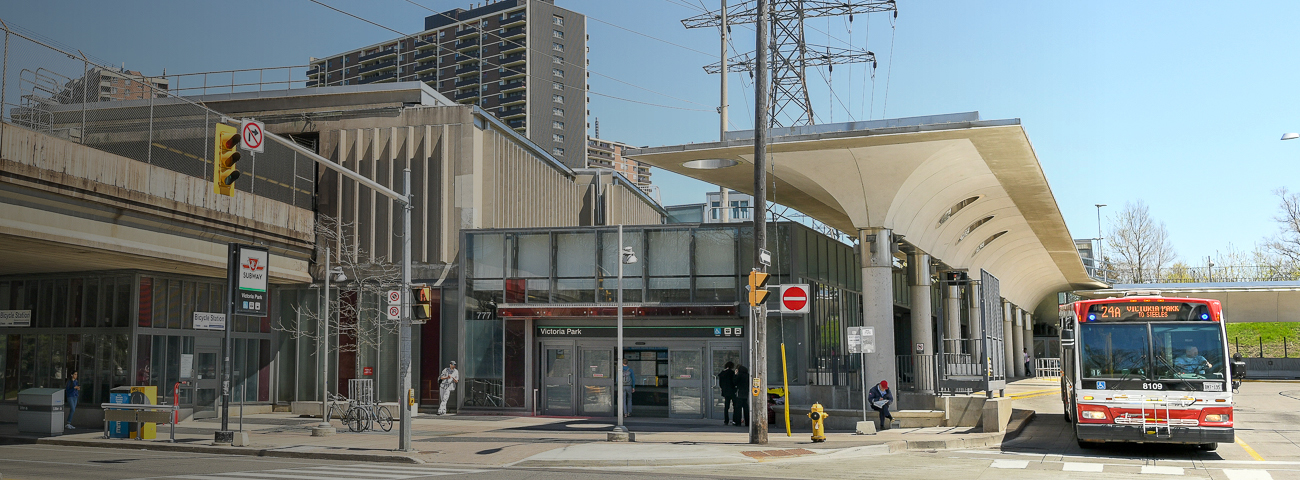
<point x="1217" y="417"/>
<point x="1095" y="415"/>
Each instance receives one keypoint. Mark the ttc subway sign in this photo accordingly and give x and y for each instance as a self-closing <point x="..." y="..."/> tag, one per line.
<point x="249" y="273"/>
<point x="794" y="298"/>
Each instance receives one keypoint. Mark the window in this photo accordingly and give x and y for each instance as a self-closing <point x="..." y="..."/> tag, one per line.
<point x="557" y="98"/>
<point x="713" y="212"/>
<point x="558" y="111"/>
<point x="558" y="20"/>
<point x="557" y="137"/>
<point x="557" y="86"/>
<point x="559" y="47"/>
<point x="990" y="240"/>
<point x="557" y="34"/>
<point x="557" y="151"/>
<point x="976" y="224"/>
<point x="442" y="34"/>
<point x="557" y="72"/>
<point x="558" y="60"/>
<point x="740" y="209"/>
<point x="955" y="208"/>
<point x="557" y="124"/>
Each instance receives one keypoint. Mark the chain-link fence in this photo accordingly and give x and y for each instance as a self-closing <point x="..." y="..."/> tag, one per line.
<point x="63" y="92"/>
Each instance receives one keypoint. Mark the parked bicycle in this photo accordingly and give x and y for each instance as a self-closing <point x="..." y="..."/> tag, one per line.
<point x="360" y="418"/>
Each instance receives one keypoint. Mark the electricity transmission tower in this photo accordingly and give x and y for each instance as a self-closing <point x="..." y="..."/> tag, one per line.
<point x="790" y="54"/>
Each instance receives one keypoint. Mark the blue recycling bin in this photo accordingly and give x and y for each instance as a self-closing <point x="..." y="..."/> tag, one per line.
<point x="119" y="429"/>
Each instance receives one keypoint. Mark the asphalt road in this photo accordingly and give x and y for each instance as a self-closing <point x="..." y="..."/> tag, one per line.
<point x="1268" y="428"/>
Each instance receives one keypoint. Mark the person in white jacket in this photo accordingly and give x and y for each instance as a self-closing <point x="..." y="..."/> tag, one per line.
<point x="446" y="384"/>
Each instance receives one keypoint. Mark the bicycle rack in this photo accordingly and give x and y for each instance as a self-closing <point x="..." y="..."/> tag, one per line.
<point x="1151" y="423"/>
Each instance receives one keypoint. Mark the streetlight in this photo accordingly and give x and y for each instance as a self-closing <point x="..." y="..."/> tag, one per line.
<point x="626" y="257"/>
<point x="1100" y="257"/>
<point x="1290" y="136"/>
<point x="324" y="428"/>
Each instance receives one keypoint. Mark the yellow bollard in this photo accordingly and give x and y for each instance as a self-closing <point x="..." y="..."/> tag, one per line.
<point x="818" y="417"/>
<point x="785" y="394"/>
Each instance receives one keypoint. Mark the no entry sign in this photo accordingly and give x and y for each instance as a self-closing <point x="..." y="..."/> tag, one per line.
<point x="253" y="136"/>
<point x="794" y="298"/>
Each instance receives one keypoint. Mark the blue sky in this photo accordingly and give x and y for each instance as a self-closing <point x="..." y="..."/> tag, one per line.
<point x="1178" y="104"/>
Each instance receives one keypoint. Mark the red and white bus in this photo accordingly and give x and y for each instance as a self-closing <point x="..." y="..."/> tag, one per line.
<point x="1147" y="369"/>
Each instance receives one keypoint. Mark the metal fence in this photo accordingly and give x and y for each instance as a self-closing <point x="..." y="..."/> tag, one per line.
<point x="63" y="92"/>
<point x="1047" y="367"/>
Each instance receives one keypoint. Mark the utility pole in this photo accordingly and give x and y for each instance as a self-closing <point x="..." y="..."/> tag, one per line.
<point x="1101" y="271"/>
<point x="758" y="404"/>
<point x="404" y="362"/>
<point x="723" y="201"/>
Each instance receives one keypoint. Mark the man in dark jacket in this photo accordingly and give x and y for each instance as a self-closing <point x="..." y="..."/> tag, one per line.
<point x="727" y="383"/>
<point x="880" y="397"/>
<point x="741" y="384"/>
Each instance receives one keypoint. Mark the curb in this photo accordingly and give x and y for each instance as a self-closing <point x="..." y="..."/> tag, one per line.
<point x="254" y="452"/>
<point x="1019" y="420"/>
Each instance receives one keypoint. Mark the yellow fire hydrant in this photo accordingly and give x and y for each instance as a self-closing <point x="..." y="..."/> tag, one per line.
<point x="818" y="417"/>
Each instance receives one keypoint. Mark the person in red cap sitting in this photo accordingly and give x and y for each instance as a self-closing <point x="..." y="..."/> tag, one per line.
<point x="880" y="397"/>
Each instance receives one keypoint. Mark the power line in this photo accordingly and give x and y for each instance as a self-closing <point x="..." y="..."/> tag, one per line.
<point x="504" y="40"/>
<point x="649" y="36"/>
<point x="893" y="32"/>
<point x="648" y="103"/>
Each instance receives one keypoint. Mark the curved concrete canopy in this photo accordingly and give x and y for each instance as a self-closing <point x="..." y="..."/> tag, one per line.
<point x="906" y="179"/>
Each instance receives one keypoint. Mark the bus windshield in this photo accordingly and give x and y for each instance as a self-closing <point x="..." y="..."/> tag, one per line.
<point x="1114" y="350"/>
<point x="1188" y="350"/>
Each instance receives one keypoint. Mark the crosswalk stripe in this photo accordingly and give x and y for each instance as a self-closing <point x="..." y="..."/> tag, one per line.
<point x="399" y="468"/>
<point x="1247" y="474"/>
<point x="270" y="475"/>
<point x="1082" y="467"/>
<point x="1010" y="464"/>
<point x="1162" y="470"/>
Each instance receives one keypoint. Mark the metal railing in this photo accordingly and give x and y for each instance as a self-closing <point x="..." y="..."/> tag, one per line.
<point x="62" y="92"/>
<point x="1047" y="367"/>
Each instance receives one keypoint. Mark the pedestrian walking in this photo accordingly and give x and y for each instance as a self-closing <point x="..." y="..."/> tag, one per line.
<point x="73" y="392"/>
<point x="1029" y="372"/>
<point x="447" y="381"/>
<point x="740" y="381"/>
<point x="727" y="384"/>
<point x="880" y="397"/>
<point x="629" y="386"/>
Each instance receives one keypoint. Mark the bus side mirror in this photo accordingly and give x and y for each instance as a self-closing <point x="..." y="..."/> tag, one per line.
<point x="1238" y="369"/>
<point x="1067" y="337"/>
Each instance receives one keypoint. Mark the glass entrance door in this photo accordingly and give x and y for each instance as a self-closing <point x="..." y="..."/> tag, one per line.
<point x="718" y="358"/>
<point x="597" y="383"/>
<point x="207" y="384"/>
<point x="557" y="380"/>
<point x="686" y="377"/>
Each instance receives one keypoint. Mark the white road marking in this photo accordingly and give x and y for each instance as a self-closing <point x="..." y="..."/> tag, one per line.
<point x="331" y="472"/>
<point x="1010" y="464"/>
<point x="1159" y="470"/>
<point x="1247" y="474"/>
<point x="1082" y="467"/>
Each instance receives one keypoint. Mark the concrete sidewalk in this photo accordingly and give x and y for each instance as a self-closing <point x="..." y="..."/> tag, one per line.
<point x="488" y="440"/>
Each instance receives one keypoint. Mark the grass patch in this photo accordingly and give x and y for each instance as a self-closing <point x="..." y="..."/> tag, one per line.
<point x="1280" y="339"/>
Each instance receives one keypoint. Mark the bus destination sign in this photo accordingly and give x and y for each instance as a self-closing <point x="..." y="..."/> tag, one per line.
<point x="1139" y="311"/>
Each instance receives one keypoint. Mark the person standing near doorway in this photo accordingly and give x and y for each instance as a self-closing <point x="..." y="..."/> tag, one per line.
<point x="73" y="392"/>
<point x="629" y="386"/>
<point x="1029" y="371"/>
<point x="727" y="384"/>
<point x="880" y="397"/>
<point x="446" y="384"/>
<point x="740" y="381"/>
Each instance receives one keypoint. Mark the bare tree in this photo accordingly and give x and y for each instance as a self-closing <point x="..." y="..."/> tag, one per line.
<point x="357" y="305"/>
<point x="1282" y="250"/>
<point x="1139" y="244"/>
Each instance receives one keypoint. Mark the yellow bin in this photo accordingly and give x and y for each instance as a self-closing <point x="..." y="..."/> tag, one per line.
<point x="147" y="431"/>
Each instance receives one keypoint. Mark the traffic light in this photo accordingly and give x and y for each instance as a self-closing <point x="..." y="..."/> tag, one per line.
<point x="758" y="288"/>
<point x="224" y="157"/>
<point x="421" y="304"/>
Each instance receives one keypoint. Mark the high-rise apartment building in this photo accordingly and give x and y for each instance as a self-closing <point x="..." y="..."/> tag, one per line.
<point x="524" y="61"/>
<point x="110" y="84"/>
<point x="609" y="154"/>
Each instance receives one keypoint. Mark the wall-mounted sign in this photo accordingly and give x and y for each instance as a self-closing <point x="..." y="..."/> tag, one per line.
<point x="15" y="318"/>
<point x="209" y="321"/>
<point x="641" y="332"/>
